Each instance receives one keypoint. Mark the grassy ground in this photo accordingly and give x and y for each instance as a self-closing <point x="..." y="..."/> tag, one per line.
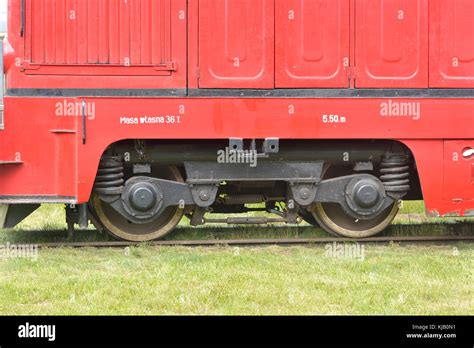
<point x="269" y="280"/>
<point x="218" y="280"/>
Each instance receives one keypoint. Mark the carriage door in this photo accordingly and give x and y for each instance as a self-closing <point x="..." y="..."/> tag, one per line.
<point x="236" y="43"/>
<point x="391" y="43"/>
<point x="452" y="44"/>
<point x="312" y="43"/>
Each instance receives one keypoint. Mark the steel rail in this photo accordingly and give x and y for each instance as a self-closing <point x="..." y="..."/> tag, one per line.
<point x="453" y="232"/>
<point x="259" y="241"/>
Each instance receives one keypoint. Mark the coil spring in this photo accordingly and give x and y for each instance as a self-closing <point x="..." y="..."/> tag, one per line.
<point x="110" y="176"/>
<point x="395" y="175"/>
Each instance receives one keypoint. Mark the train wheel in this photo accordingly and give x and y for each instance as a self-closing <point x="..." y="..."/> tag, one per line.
<point x="333" y="219"/>
<point x="119" y="227"/>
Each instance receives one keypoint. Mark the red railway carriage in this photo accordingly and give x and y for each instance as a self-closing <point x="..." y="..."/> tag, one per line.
<point x="135" y="113"/>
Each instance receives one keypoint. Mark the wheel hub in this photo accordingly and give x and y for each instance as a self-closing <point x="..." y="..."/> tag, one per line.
<point x="365" y="197"/>
<point x="142" y="200"/>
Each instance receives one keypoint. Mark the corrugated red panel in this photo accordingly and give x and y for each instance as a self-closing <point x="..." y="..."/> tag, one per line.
<point x="452" y="43"/>
<point x="236" y="43"/>
<point x="391" y="43"/>
<point x="312" y="43"/>
<point x="100" y="32"/>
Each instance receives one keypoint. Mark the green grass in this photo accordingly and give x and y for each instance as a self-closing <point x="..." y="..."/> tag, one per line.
<point x="263" y="280"/>
<point x="149" y="280"/>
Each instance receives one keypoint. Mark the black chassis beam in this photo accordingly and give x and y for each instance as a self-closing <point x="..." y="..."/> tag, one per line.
<point x="203" y="179"/>
<point x="173" y="153"/>
<point x="215" y="173"/>
<point x="12" y="214"/>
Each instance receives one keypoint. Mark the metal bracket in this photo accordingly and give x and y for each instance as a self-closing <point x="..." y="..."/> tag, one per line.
<point x="236" y="144"/>
<point x="84" y="123"/>
<point x="197" y="218"/>
<point x="271" y="145"/>
<point x="141" y="169"/>
<point x="13" y="214"/>
<point x="303" y="194"/>
<point x="291" y="213"/>
<point x="204" y="195"/>
<point x="3" y="214"/>
<point x="364" y="166"/>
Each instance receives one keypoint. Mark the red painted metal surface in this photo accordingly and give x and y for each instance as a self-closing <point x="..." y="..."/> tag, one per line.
<point x="43" y="144"/>
<point x="94" y="32"/>
<point x="236" y="45"/>
<point x="96" y="43"/>
<point x="391" y="43"/>
<point x="452" y="43"/>
<point x="42" y="149"/>
<point x="312" y="43"/>
<point x="458" y="170"/>
<point x="198" y="118"/>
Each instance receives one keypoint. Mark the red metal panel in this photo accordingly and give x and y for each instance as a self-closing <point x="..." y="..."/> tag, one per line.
<point x="48" y="166"/>
<point x="193" y="44"/>
<point x="94" y="44"/>
<point x="452" y="43"/>
<point x="312" y="43"/>
<point x="236" y="43"/>
<point x="459" y="170"/>
<point x="391" y="43"/>
<point x="252" y="118"/>
<point x="99" y="32"/>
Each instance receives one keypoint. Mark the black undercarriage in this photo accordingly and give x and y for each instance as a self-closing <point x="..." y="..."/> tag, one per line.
<point x="352" y="189"/>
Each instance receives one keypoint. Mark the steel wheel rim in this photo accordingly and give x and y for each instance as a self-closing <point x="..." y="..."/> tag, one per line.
<point x="119" y="227"/>
<point x="322" y="213"/>
<point x="326" y="217"/>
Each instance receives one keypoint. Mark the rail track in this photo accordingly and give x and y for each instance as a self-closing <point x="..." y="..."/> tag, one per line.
<point x="270" y="241"/>
<point x="458" y="232"/>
